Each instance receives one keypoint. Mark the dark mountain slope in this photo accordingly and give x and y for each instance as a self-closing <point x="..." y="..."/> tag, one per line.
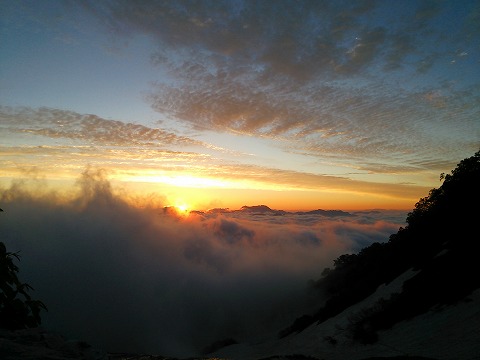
<point x="440" y="240"/>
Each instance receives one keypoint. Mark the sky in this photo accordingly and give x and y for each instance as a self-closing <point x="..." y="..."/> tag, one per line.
<point x="294" y="104"/>
<point x="138" y="139"/>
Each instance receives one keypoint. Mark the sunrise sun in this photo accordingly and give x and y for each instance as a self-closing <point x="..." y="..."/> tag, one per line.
<point x="182" y="207"/>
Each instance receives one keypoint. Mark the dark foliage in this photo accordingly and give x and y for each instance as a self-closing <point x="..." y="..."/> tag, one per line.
<point x="17" y="309"/>
<point x="399" y="358"/>
<point x="290" y="357"/>
<point x="439" y="241"/>
<point x="217" y="345"/>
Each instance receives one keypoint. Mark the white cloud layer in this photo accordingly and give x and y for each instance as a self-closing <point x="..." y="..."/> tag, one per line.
<point x="148" y="280"/>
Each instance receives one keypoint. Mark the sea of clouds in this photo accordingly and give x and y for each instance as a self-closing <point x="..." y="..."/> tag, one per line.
<point x="147" y="279"/>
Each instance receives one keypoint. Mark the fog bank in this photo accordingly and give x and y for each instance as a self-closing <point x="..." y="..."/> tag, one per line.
<point x="147" y="280"/>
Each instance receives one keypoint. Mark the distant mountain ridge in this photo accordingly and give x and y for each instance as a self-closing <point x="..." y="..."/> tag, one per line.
<point x="328" y="213"/>
<point x="266" y="210"/>
<point x="260" y="209"/>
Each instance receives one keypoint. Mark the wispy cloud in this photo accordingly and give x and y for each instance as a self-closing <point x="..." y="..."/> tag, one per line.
<point x="329" y="120"/>
<point x="328" y="79"/>
<point x="279" y="39"/>
<point x="64" y="142"/>
<point x="89" y="129"/>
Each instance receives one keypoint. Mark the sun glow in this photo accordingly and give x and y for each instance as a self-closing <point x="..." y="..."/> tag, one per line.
<point x="190" y="181"/>
<point x="182" y="208"/>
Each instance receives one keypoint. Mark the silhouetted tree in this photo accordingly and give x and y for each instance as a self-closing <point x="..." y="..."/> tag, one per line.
<point x="17" y="309"/>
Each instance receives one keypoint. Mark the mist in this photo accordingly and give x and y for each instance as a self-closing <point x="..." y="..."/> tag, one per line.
<point x="142" y="279"/>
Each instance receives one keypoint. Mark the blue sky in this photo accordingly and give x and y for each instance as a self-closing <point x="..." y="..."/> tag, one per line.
<point x="379" y="97"/>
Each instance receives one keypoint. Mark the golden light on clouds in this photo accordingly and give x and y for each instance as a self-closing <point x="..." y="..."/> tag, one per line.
<point x="190" y="181"/>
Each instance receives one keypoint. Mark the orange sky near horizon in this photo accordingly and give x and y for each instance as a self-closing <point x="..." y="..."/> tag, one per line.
<point x="289" y="199"/>
<point x="203" y="193"/>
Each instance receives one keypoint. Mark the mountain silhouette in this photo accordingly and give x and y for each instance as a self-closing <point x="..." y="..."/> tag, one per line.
<point x="266" y="210"/>
<point x="327" y="213"/>
<point x="261" y="209"/>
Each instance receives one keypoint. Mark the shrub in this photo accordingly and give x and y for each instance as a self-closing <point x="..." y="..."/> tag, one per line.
<point x="17" y="309"/>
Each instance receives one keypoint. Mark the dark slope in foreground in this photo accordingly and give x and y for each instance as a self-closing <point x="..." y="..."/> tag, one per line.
<point x="440" y="240"/>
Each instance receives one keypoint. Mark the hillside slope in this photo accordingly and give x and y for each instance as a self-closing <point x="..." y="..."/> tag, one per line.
<point x="415" y="294"/>
<point x="447" y="333"/>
